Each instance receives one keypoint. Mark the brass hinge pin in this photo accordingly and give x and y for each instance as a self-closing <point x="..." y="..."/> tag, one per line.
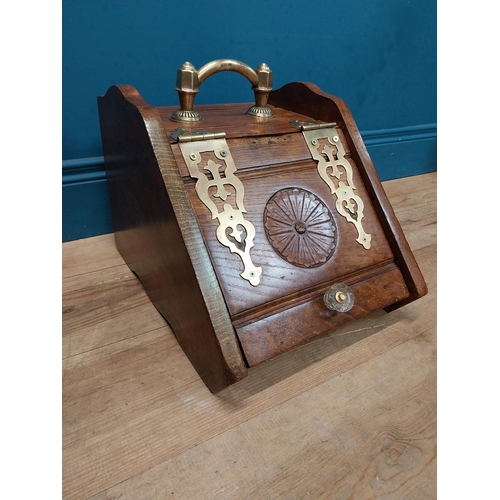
<point x="311" y="125"/>
<point x="184" y="135"/>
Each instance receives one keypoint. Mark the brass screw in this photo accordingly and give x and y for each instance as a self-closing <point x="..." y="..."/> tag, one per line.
<point x="192" y="156"/>
<point x="340" y="297"/>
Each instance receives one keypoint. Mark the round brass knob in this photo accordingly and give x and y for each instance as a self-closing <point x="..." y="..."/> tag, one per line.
<point x="339" y="297"/>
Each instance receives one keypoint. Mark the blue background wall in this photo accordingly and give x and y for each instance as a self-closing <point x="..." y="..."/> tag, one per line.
<point x="378" y="55"/>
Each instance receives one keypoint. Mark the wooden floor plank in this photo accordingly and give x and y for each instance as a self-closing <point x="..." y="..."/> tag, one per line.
<point x="379" y="416"/>
<point x="412" y="193"/>
<point x="133" y="404"/>
<point x="102" y="307"/>
<point x="79" y="257"/>
<point x="162" y="419"/>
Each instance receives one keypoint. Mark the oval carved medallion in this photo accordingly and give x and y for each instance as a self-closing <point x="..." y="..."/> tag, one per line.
<point x="300" y="227"/>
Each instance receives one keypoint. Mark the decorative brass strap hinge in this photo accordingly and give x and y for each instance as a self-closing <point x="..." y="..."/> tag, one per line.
<point x="334" y="168"/>
<point x="209" y="160"/>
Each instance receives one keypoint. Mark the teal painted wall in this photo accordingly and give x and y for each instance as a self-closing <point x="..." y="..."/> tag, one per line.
<point x="378" y="55"/>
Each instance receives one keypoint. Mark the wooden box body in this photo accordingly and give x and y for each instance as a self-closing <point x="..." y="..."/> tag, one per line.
<point x="167" y="235"/>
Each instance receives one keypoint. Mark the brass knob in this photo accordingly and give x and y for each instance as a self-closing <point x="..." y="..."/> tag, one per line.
<point x="339" y="297"/>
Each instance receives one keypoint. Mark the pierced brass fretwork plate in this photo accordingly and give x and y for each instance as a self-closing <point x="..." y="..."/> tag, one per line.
<point x="334" y="168"/>
<point x="210" y="162"/>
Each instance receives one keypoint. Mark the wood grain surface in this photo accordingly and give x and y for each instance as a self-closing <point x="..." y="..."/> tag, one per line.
<point x="157" y="235"/>
<point x="172" y="243"/>
<point x="306" y="97"/>
<point x="350" y="415"/>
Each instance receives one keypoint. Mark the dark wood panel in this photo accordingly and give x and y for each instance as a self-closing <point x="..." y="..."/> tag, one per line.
<point x="279" y="277"/>
<point x="256" y="152"/>
<point x="263" y="339"/>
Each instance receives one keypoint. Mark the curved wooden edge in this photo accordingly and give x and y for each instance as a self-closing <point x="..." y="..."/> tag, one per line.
<point x="308" y="99"/>
<point x="134" y="138"/>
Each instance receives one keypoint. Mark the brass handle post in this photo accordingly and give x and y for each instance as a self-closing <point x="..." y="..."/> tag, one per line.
<point x="189" y="80"/>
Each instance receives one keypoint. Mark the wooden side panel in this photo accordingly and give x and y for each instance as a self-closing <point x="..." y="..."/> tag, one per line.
<point x="307" y="98"/>
<point x="157" y="235"/>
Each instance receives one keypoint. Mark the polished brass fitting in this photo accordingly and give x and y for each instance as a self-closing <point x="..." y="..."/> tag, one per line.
<point x="189" y="81"/>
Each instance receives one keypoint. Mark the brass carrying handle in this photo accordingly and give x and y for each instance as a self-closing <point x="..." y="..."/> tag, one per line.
<point x="189" y="80"/>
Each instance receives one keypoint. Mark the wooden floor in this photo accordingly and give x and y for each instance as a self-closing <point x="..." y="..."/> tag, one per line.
<point x="352" y="415"/>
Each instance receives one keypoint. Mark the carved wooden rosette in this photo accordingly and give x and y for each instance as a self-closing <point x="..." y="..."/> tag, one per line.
<point x="216" y="180"/>
<point x="300" y="227"/>
<point x="334" y="168"/>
